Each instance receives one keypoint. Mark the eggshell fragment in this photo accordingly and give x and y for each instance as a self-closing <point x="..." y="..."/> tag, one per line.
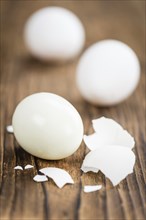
<point x="93" y="188"/>
<point x="28" y="166"/>
<point x="108" y="132"/>
<point x="105" y="125"/>
<point x="18" y="168"/>
<point x="116" y="162"/>
<point x="40" y="178"/>
<point x="88" y="169"/>
<point x="9" y="129"/>
<point x="60" y="176"/>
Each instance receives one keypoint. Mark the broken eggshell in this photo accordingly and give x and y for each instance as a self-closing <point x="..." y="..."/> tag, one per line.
<point x="92" y="188"/>
<point x="108" y="132"/>
<point x="9" y="129"/>
<point x="18" y="168"/>
<point x="59" y="176"/>
<point x="86" y="169"/>
<point x="116" y="162"/>
<point x="40" y="178"/>
<point x="28" y="166"/>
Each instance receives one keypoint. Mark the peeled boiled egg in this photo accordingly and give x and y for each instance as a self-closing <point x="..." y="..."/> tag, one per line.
<point x="54" y="34"/>
<point x="47" y="126"/>
<point x="108" y="72"/>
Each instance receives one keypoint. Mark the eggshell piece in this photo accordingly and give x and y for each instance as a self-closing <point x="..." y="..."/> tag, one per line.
<point x="93" y="188"/>
<point x="9" y="129"/>
<point x="40" y="178"/>
<point x="54" y="34"/>
<point x="94" y="141"/>
<point x="47" y="126"/>
<point x="59" y="176"/>
<point x="116" y="162"/>
<point x="108" y="132"/>
<point x="18" y="168"/>
<point x="86" y="169"/>
<point x="28" y="166"/>
<point x="105" y="70"/>
<point x="104" y="125"/>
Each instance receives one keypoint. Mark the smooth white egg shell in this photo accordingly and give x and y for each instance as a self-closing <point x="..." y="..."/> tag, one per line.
<point x="47" y="126"/>
<point x="54" y="34"/>
<point x="108" y="72"/>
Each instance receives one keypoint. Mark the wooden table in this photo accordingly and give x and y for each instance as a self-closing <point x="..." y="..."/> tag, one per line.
<point x="22" y="75"/>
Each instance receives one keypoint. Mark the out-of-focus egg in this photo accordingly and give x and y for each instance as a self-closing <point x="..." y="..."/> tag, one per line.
<point x="108" y="72"/>
<point x="47" y="126"/>
<point x="54" y="34"/>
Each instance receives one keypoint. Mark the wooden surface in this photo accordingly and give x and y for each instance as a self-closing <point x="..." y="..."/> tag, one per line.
<point x="21" y="197"/>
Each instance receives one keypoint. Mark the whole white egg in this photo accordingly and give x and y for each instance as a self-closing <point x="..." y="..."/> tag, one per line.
<point x="108" y="72"/>
<point x="47" y="126"/>
<point x="54" y="34"/>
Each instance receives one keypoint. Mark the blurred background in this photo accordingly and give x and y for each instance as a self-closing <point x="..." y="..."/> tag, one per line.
<point x="22" y="75"/>
<point x="121" y="20"/>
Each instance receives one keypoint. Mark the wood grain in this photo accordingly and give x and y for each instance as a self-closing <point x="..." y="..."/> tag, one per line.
<point x="22" y="75"/>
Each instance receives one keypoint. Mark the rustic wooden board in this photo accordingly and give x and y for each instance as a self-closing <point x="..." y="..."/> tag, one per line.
<point x="21" y="197"/>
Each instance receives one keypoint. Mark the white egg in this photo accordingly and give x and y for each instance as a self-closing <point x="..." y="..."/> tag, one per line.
<point x="108" y="72"/>
<point x="54" y="34"/>
<point x="47" y="126"/>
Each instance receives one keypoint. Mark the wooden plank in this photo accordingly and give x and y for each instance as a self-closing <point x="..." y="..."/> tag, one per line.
<point x="22" y="75"/>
